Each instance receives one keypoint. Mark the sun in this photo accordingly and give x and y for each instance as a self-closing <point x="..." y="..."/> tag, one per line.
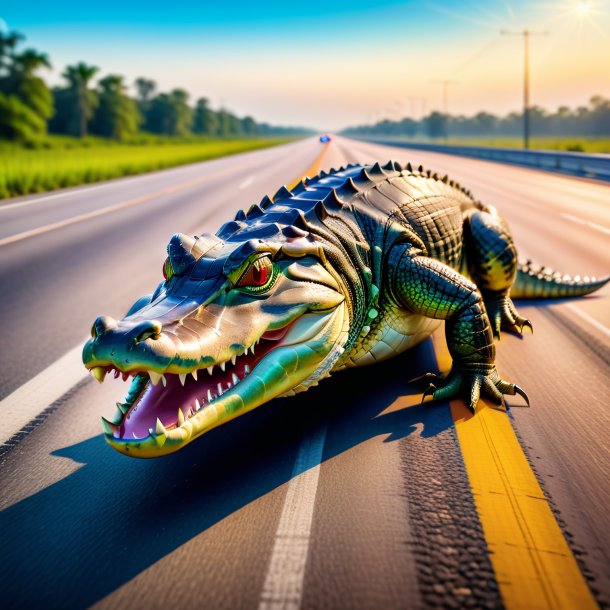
<point x="583" y="8"/>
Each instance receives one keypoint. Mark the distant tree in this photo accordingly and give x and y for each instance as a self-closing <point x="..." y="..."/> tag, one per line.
<point x="600" y="116"/>
<point x="145" y="89"/>
<point x="205" y="120"/>
<point x="117" y="115"/>
<point x="436" y="125"/>
<point x="85" y="100"/>
<point x="27" y="102"/>
<point x="248" y="126"/>
<point x="8" y="44"/>
<point x="170" y="114"/>
<point x="409" y="127"/>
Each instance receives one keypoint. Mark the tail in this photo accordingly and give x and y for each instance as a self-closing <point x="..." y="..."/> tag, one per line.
<point x="541" y="283"/>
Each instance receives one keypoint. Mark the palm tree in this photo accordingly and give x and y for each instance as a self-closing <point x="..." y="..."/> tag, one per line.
<point x="29" y="61"/>
<point x="79" y="76"/>
<point x="8" y="42"/>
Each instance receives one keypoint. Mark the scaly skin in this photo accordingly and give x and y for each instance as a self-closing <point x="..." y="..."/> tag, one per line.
<point x="350" y="268"/>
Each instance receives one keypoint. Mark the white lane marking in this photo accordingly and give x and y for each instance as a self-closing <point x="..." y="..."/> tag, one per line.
<point x="283" y="588"/>
<point x="246" y="183"/>
<point x="78" y="191"/>
<point x="33" y="397"/>
<point x="112" y="208"/>
<point x="587" y="318"/>
<point x="588" y="223"/>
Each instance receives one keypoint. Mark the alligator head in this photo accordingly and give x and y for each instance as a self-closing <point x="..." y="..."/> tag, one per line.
<point x="232" y="326"/>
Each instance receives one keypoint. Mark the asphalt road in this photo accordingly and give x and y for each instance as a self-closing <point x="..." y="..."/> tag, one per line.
<point x="372" y="486"/>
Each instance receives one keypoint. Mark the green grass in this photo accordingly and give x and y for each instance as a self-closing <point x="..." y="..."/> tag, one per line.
<point x="59" y="161"/>
<point x="576" y="144"/>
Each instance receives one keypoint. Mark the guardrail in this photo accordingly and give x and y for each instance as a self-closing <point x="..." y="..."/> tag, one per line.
<point x="576" y="164"/>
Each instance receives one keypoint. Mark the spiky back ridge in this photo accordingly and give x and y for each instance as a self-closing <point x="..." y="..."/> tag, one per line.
<point x="351" y="210"/>
<point x="312" y="200"/>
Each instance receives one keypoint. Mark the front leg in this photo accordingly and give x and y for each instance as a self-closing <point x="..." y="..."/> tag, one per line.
<point x="430" y="288"/>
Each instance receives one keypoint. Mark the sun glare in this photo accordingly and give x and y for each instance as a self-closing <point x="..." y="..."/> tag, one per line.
<point x="583" y="8"/>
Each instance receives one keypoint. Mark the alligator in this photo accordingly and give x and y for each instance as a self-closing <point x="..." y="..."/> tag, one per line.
<point x="349" y="268"/>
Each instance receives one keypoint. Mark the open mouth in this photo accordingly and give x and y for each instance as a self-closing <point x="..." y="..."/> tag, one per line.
<point x="158" y="403"/>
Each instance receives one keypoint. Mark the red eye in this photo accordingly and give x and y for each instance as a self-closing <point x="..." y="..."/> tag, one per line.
<point x="257" y="274"/>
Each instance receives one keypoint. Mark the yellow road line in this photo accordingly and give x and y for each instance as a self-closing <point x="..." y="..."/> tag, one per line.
<point x="313" y="169"/>
<point x="534" y="566"/>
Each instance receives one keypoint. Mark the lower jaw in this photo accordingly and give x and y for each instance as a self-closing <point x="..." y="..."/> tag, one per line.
<point x="273" y="377"/>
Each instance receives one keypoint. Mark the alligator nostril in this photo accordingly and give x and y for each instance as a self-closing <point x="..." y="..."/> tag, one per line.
<point x="101" y="325"/>
<point x="151" y="329"/>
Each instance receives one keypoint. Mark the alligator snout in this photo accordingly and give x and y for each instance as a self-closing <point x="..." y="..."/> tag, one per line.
<point x="147" y="329"/>
<point x="123" y="343"/>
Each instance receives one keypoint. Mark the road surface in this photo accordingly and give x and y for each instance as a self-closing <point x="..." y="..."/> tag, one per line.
<point x="349" y="496"/>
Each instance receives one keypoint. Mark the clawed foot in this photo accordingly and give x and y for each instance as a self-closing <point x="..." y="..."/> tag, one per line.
<point x="503" y="316"/>
<point x="471" y="385"/>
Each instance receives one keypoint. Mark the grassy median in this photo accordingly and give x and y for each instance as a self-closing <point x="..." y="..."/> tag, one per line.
<point x="58" y="162"/>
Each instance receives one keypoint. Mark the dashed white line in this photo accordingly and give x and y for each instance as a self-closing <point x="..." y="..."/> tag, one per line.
<point x="283" y="588"/>
<point x="246" y="183"/>
<point x="587" y="318"/>
<point x="33" y="397"/>
<point x="587" y="223"/>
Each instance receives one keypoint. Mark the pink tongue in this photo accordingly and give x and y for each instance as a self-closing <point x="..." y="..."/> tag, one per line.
<point x="159" y="402"/>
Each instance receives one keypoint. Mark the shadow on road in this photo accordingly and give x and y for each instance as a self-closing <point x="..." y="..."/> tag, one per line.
<point x="81" y="538"/>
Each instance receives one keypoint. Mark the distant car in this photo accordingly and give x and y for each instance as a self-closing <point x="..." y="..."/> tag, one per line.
<point x="325" y="138"/>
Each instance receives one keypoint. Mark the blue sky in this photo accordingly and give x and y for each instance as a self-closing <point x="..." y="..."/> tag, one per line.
<point x="330" y="64"/>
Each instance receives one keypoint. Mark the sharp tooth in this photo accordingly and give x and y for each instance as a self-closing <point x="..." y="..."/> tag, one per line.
<point x="246" y="369"/>
<point x="125" y="376"/>
<point x="210" y="369"/>
<point x="209" y="395"/>
<point x="160" y="428"/>
<point x="154" y="377"/>
<point x="122" y="408"/>
<point x="228" y="386"/>
<point x="180" y="417"/>
<point x="219" y="386"/>
<point x="163" y="380"/>
<point x="246" y="352"/>
<point x="194" y="374"/>
<point x="234" y="378"/>
<point x="182" y="377"/>
<point x="222" y="366"/>
<point x="197" y="405"/>
<point x="109" y="427"/>
<point x="99" y="372"/>
<point x="233" y="359"/>
<point x="151" y="432"/>
<point x="116" y="373"/>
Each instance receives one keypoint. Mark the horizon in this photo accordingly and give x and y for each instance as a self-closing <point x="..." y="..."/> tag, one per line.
<point x="335" y="66"/>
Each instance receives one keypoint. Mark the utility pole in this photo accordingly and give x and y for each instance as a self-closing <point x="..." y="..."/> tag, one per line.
<point x="445" y="84"/>
<point x="526" y="79"/>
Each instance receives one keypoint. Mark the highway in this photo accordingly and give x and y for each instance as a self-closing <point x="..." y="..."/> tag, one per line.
<point x="352" y="495"/>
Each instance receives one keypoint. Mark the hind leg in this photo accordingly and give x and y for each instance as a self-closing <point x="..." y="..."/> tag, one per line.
<point x="492" y="264"/>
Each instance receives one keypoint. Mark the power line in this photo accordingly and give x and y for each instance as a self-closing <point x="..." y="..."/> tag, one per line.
<point x="526" y="80"/>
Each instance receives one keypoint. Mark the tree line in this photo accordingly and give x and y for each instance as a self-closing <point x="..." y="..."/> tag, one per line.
<point x="592" y="121"/>
<point x="29" y="109"/>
